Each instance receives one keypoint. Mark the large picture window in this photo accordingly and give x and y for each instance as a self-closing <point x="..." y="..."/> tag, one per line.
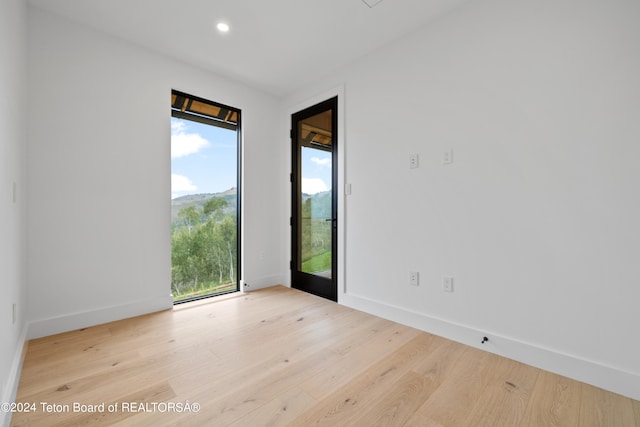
<point x="205" y="202"/>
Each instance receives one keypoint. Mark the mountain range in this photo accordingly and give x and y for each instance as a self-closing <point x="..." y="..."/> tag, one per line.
<point x="198" y="200"/>
<point x="318" y="205"/>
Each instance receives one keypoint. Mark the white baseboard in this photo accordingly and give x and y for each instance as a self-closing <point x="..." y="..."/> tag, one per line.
<point x="73" y="321"/>
<point x="263" y="282"/>
<point x="575" y="367"/>
<point x="9" y="393"/>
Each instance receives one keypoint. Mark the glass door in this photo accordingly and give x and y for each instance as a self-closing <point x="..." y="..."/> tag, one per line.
<point x="314" y="200"/>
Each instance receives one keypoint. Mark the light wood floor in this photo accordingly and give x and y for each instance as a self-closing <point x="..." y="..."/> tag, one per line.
<point x="283" y="357"/>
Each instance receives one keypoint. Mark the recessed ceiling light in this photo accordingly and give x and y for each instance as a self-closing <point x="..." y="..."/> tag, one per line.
<point x="222" y="27"/>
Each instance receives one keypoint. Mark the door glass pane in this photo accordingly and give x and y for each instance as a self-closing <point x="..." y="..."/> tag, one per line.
<point x="315" y="200"/>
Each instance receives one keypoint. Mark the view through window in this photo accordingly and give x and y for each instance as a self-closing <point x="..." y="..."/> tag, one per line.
<point x="204" y="198"/>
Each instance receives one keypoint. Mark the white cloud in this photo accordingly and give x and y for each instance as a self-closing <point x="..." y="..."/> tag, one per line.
<point x="313" y="185"/>
<point x="177" y="126"/>
<point x="181" y="184"/>
<point x="183" y="143"/>
<point x="321" y="162"/>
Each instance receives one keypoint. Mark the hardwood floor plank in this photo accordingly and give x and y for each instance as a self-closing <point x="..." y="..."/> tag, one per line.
<point x="441" y="362"/>
<point x="247" y="388"/>
<point x="95" y="388"/>
<point x="398" y="405"/>
<point x="156" y="393"/>
<point x="279" y="357"/>
<point x="349" y="403"/>
<point x="602" y="408"/>
<point x="452" y="402"/>
<point x="260" y="389"/>
<point x="555" y="401"/>
<point x="259" y="360"/>
<point x="67" y="344"/>
<point x="382" y="340"/>
<point x="280" y="411"/>
<point x="53" y="374"/>
<point x="509" y="390"/>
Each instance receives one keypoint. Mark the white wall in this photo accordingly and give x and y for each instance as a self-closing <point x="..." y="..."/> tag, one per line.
<point x="13" y="140"/>
<point x="537" y="217"/>
<point x="99" y="175"/>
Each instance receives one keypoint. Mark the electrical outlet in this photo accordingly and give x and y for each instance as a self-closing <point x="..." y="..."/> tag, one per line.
<point x="447" y="283"/>
<point x="413" y="161"/>
<point x="447" y="157"/>
<point x="414" y="278"/>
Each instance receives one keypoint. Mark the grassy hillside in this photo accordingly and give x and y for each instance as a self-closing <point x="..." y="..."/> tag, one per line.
<point x="198" y="200"/>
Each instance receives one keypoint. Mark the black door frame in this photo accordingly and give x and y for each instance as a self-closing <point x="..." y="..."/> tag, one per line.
<point x="314" y="284"/>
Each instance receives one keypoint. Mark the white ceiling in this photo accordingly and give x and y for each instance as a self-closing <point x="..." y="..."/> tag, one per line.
<point x="274" y="45"/>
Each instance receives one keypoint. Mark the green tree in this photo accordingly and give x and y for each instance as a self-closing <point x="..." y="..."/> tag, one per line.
<point x="214" y="207"/>
<point x="190" y="216"/>
<point x="203" y="249"/>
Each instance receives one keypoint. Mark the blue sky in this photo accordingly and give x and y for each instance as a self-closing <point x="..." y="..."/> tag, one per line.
<point x="204" y="160"/>
<point x="316" y="170"/>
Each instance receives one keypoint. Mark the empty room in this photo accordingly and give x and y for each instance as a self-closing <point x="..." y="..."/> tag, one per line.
<point x="320" y="212"/>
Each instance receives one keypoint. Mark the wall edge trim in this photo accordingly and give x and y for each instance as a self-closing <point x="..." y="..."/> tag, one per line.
<point x="11" y="388"/>
<point x="572" y="366"/>
<point x="72" y="321"/>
